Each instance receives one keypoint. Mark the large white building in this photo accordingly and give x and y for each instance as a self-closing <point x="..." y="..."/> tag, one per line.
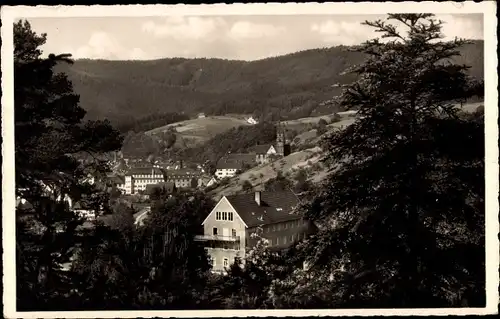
<point x="138" y="178"/>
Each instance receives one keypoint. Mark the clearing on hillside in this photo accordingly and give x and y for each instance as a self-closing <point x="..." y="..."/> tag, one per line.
<point x="201" y="129"/>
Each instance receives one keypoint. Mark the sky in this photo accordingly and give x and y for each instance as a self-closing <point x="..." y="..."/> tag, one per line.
<point x="249" y="37"/>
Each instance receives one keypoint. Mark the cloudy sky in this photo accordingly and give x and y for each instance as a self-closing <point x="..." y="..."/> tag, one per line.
<point x="231" y="37"/>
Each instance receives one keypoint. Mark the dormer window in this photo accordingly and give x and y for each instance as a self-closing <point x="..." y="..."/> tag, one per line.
<point x="224" y="216"/>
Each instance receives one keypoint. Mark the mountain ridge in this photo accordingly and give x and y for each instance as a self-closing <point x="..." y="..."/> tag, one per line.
<point x="288" y="86"/>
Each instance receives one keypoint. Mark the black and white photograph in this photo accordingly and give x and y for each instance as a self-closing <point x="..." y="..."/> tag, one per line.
<point x="229" y="160"/>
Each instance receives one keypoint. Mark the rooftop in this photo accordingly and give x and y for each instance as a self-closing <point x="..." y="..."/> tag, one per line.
<point x="274" y="207"/>
<point x="261" y="149"/>
<point x="167" y="186"/>
<point x="236" y="161"/>
<point x="144" y="171"/>
<point x="117" y="179"/>
<point x="229" y="164"/>
<point x="182" y="173"/>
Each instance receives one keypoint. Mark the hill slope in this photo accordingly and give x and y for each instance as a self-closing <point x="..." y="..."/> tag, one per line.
<point x="124" y="91"/>
<point x="308" y="158"/>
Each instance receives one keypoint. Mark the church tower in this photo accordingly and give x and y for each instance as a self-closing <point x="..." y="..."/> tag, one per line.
<point x="282" y="147"/>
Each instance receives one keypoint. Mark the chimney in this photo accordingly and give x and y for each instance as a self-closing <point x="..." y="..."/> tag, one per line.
<point x="257" y="197"/>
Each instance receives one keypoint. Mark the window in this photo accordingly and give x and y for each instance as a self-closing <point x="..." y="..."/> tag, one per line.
<point x="225" y="262"/>
<point x="215" y="231"/>
<point x="277" y="240"/>
<point x="285" y="225"/>
<point x="274" y="227"/>
<point x="278" y="227"/>
<point x="217" y="216"/>
<point x="224" y="215"/>
<point x="284" y="240"/>
<point x="233" y="232"/>
<point x="293" y="237"/>
<point x="230" y="216"/>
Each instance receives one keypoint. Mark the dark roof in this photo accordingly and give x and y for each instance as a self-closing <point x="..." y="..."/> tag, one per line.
<point x="144" y="171"/>
<point x="167" y="186"/>
<point x="117" y="179"/>
<point x="228" y="164"/>
<point x="181" y="173"/>
<point x="275" y="207"/>
<point x="236" y="161"/>
<point x="261" y="149"/>
<point x="23" y="205"/>
<point x="245" y="158"/>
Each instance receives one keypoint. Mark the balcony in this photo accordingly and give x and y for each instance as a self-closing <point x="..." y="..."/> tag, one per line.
<point x="217" y="238"/>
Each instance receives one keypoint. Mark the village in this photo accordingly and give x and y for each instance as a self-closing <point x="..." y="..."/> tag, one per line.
<point x="229" y="226"/>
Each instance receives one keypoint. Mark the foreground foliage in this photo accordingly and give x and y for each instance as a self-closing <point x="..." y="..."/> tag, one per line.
<point x="49" y="132"/>
<point x="403" y="211"/>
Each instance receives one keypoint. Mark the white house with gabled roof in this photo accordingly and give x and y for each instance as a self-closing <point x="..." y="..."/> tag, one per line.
<point x="228" y="227"/>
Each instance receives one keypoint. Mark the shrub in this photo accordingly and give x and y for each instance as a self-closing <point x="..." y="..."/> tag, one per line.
<point x="246" y="186"/>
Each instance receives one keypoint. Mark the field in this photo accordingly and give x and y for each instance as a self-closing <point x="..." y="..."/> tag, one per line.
<point x="200" y="130"/>
<point x="307" y="120"/>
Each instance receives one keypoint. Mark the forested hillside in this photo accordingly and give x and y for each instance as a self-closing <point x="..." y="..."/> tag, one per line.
<point x="127" y="92"/>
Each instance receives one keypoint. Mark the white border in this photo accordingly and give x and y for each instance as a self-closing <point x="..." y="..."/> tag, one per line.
<point x="10" y="13"/>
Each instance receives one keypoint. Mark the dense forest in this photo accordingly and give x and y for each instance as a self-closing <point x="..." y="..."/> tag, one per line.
<point x="151" y="121"/>
<point x="235" y="140"/>
<point x="289" y="86"/>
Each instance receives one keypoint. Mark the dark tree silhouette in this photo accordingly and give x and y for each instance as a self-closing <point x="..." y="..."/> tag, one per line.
<point x="402" y="214"/>
<point x="49" y="135"/>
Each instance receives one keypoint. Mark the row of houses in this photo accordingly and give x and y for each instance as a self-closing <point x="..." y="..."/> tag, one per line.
<point x="137" y="179"/>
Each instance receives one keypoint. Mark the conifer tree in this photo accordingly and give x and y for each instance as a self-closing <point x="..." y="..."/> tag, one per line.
<point x="50" y="133"/>
<point x="402" y="214"/>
